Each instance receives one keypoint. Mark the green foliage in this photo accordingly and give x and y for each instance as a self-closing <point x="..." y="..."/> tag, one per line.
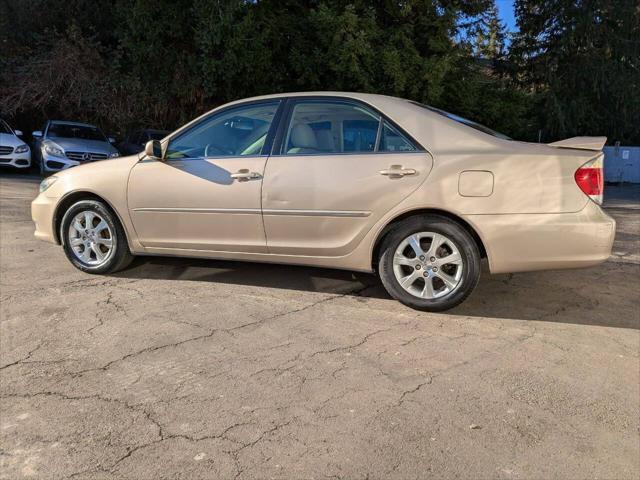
<point x="581" y="59"/>
<point x="159" y="63"/>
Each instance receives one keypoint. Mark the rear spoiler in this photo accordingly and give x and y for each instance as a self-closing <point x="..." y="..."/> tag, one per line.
<point x="583" y="143"/>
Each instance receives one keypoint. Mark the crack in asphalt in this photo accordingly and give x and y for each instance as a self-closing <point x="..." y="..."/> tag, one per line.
<point x="23" y="359"/>
<point x="211" y="333"/>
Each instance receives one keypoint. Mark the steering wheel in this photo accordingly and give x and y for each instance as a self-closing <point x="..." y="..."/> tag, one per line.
<point x="211" y="150"/>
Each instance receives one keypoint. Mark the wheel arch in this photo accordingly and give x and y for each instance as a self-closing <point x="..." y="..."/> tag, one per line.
<point x="69" y="199"/>
<point x="375" y="256"/>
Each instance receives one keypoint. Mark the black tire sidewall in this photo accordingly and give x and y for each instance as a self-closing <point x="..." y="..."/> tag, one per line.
<point x="120" y="247"/>
<point x="463" y="240"/>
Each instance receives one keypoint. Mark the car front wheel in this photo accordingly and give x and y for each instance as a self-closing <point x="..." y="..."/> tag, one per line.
<point x="429" y="263"/>
<point x="93" y="239"/>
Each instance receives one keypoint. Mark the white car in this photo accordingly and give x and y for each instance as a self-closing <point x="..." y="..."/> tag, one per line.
<point x="13" y="151"/>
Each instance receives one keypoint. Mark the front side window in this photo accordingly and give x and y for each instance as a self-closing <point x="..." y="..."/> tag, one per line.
<point x="83" y="132"/>
<point x="236" y="132"/>
<point x="321" y="127"/>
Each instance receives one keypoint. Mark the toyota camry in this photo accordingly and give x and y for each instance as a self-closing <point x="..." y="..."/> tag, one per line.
<point x="342" y="180"/>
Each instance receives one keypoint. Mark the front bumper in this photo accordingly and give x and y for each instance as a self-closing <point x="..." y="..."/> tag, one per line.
<point x="55" y="164"/>
<point x="528" y="242"/>
<point x="42" y="213"/>
<point x="16" y="160"/>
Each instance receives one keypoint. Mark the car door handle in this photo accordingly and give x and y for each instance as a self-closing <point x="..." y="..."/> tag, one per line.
<point x="396" y="171"/>
<point x="245" y="174"/>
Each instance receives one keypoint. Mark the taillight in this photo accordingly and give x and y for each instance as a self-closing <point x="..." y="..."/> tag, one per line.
<point x="590" y="179"/>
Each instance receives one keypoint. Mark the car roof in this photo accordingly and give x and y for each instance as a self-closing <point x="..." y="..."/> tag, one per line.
<point x="77" y="124"/>
<point x="355" y="95"/>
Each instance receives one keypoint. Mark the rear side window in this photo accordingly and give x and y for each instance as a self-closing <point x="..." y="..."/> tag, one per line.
<point x="318" y="127"/>
<point x="394" y="141"/>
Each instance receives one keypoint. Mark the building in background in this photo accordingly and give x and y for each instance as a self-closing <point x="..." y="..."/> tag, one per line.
<point x="622" y="164"/>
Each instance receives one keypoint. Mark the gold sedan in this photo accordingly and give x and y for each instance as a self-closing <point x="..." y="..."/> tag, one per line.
<point x="342" y="180"/>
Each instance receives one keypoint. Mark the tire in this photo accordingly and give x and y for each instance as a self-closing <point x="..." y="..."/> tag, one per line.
<point x="108" y="239"/>
<point x="450" y="286"/>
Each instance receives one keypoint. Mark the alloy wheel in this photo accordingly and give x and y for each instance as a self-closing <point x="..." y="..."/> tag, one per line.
<point x="428" y="265"/>
<point x="90" y="238"/>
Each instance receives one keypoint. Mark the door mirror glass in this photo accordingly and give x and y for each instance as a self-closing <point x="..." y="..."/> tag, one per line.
<point x="153" y="149"/>
<point x="37" y="134"/>
<point x="231" y="133"/>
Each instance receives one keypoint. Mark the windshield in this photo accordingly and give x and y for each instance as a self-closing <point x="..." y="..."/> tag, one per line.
<point x="464" y="121"/>
<point x="4" y="128"/>
<point x="84" y="132"/>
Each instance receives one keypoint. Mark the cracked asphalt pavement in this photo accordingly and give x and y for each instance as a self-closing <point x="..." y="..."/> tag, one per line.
<point x="181" y="368"/>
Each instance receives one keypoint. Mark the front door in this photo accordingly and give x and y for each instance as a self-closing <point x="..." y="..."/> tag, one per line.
<point x="340" y="167"/>
<point x="206" y="195"/>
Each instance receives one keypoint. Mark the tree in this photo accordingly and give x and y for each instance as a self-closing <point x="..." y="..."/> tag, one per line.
<point x="490" y="38"/>
<point x="581" y="58"/>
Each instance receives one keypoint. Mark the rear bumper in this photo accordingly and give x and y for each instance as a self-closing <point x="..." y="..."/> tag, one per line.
<point x="526" y="242"/>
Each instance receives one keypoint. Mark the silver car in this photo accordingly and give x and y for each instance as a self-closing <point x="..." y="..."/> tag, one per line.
<point x="13" y="151"/>
<point x="61" y="145"/>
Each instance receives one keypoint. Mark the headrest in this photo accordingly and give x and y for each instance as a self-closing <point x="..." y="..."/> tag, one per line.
<point x="302" y="136"/>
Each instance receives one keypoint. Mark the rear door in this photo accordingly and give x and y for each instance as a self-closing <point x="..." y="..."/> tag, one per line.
<point x="337" y="167"/>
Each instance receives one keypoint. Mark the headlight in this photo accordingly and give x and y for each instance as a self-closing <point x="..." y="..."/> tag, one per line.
<point x="47" y="182"/>
<point x="114" y="155"/>
<point x="53" y="149"/>
<point x="22" y="148"/>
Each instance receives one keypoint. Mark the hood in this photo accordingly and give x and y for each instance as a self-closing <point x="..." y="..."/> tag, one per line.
<point x="10" y="140"/>
<point x="80" y="145"/>
<point x="98" y="169"/>
<point x="582" y="143"/>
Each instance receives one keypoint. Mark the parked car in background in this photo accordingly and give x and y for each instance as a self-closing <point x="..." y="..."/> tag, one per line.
<point x="60" y="145"/>
<point x="13" y="151"/>
<point x="134" y="142"/>
<point x="342" y="180"/>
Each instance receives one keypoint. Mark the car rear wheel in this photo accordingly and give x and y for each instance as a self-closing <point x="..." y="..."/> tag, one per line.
<point x="429" y="263"/>
<point x="93" y="239"/>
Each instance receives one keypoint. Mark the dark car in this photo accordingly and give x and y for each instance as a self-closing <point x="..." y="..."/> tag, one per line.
<point x="134" y="142"/>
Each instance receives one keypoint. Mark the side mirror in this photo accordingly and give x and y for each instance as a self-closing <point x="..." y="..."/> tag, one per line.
<point x="153" y="149"/>
<point x="18" y="133"/>
<point x="37" y="134"/>
<point x="111" y="140"/>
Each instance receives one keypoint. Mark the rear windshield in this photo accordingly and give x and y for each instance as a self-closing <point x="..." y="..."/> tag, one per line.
<point x="84" y="132"/>
<point x="464" y="121"/>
